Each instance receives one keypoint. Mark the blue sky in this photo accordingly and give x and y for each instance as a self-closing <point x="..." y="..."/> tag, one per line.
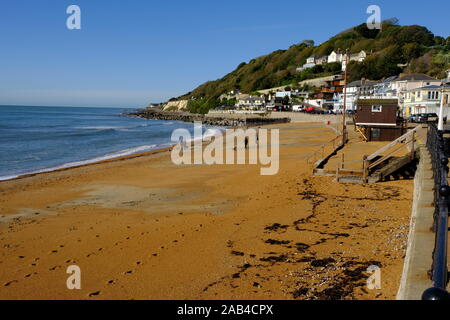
<point x="130" y="53"/>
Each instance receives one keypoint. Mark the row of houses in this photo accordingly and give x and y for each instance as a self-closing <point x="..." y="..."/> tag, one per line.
<point x="275" y="100"/>
<point x="335" y="56"/>
<point x="415" y="93"/>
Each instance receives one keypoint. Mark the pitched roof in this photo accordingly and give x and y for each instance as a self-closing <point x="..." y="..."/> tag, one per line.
<point x="360" y="83"/>
<point x="432" y="87"/>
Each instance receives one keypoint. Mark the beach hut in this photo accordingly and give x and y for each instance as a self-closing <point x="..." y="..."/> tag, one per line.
<point x="378" y="119"/>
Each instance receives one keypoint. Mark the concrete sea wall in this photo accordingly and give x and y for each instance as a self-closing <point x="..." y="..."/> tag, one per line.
<point x="421" y="239"/>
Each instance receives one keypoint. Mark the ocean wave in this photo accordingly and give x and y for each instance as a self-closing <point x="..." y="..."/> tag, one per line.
<point x="118" y="154"/>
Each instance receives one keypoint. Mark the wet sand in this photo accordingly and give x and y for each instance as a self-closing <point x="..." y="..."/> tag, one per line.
<point x="142" y="228"/>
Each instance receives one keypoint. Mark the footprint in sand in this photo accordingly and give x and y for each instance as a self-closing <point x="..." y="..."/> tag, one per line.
<point x="10" y="283"/>
<point x="93" y="294"/>
<point x="30" y="274"/>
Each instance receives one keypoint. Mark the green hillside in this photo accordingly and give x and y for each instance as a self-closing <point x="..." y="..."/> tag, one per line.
<point x="395" y="44"/>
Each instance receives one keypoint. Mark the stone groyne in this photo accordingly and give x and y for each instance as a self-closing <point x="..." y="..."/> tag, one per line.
<point x="223" y="121"/>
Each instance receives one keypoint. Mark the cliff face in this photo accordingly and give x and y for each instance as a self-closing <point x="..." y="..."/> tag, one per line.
<point x="176" y="105"/>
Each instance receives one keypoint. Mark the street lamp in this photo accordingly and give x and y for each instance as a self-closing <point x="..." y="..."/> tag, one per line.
<point x="441" y="109"/>
<point x="344" y="111"/>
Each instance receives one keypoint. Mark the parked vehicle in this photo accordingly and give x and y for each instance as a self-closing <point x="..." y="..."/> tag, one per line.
<point x="297" y="108"/>
<point x="428" y="117"/>
<point x="413" y="118"/>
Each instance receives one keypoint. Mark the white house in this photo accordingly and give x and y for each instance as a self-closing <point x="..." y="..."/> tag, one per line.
<point x="313" y="61"/>
<point x="335" y="57"/>
<point x="407" y="82"/>
<point x="283" y="94"/>
<point x="427" y="100"/>
<point x="355" y="90"/>
<point x="359" y="57"/>
<point x="251" y="102"/>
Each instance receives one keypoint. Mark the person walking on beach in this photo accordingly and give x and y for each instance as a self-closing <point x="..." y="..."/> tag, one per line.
<point x="257" y="136"/>
<point x="181" y="142"/>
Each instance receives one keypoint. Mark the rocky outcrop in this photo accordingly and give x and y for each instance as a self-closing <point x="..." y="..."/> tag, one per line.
<point x="207" y="120"/>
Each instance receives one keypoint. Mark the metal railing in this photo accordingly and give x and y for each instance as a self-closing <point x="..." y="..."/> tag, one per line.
<point x="439" y="155"/>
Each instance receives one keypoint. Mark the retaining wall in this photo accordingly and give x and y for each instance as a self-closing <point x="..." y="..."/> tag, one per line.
<point x="421" y="240"/>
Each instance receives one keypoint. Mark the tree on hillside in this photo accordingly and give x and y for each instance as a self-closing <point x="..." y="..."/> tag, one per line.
<point x="366" y="32"/>
<point x="412" y="51"/>
<point x="387" y="48"/>
<point x="309" y="43"/>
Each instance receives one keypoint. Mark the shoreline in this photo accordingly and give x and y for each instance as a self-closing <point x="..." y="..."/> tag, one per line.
<point x="242" y="235"/>
<point x="114" y="159"/>
<point x="93" y="161"/>
<point x="96" y="160"/>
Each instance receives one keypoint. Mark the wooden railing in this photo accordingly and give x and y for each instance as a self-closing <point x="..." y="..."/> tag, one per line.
<point x="369" y="163"/>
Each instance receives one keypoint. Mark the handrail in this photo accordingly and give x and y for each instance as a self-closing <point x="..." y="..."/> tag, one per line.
<point x="393" y="143"/>
<point x="390" y="154"/>
<point x="439" y="156"/>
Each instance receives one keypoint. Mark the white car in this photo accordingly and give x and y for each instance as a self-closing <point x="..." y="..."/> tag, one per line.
<point x="297" y="108"/>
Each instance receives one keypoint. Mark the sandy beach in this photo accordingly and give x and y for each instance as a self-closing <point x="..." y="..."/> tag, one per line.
<point x="141" y="227"/>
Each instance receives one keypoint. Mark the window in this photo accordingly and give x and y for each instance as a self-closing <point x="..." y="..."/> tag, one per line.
<point x="437" y="95"/>
<point x="376" y="133"/>
<point x="377" y="108"/>
<point x="429" y="95"/>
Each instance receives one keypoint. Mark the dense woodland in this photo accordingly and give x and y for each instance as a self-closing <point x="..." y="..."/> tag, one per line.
<point x="386" y="49"/>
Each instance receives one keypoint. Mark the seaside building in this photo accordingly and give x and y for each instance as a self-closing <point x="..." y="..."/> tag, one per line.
<point x="313" y="61"/>
<point x="327" y="97"/>
<point x="248" y="102"/>
<point x="335" y="56"/>
<point x="233" y="94"/>
<point x="378" y="119"/>
<point x="383" y="88"/>
<point x="355" y="90"/>
<point x="407" y="82"/>
<point x="427" y="100"/>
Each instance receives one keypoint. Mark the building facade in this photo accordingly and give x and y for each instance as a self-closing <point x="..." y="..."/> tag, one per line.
<point x="427" y="100"/>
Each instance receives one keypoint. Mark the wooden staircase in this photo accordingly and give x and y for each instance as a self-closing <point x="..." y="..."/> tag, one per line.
<point x="384" y="164"/>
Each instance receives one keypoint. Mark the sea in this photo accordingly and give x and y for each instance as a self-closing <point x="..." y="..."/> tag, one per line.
<point x="42" y="139"/>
